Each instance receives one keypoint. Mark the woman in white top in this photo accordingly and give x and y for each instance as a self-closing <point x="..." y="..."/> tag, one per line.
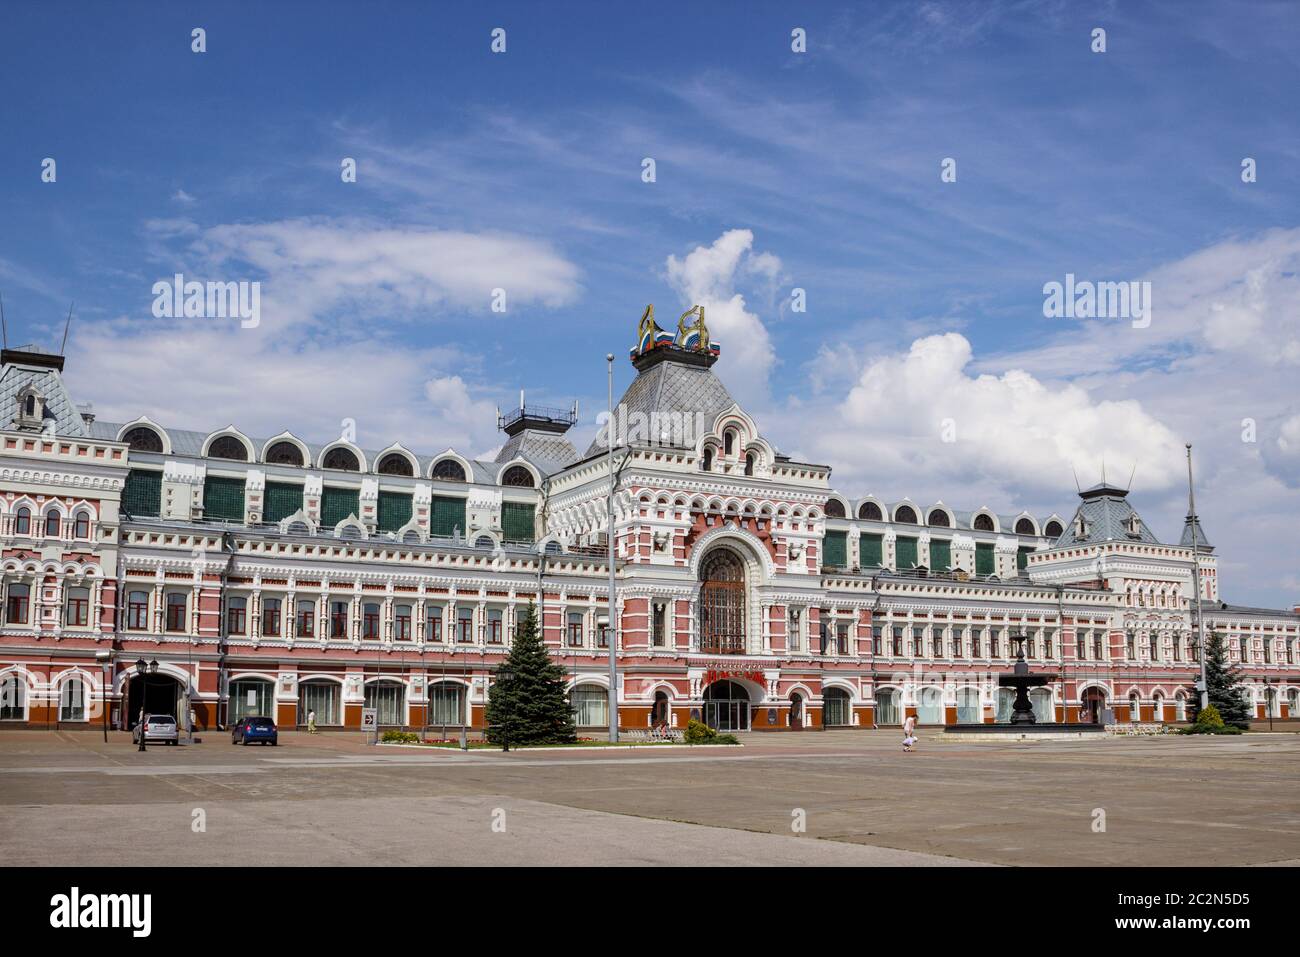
<point x="909" y="732"/>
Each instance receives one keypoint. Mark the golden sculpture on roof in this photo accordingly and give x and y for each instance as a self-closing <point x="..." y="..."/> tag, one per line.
<point x="696" y="335"/>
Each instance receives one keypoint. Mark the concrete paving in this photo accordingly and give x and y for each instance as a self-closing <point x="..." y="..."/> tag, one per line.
<point x="68" y="798"/>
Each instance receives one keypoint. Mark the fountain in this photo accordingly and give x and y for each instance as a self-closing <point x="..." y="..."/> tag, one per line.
<point x="1024" y="723"/>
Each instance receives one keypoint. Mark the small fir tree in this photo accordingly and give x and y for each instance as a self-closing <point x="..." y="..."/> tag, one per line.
<point x="532" y="707"/>
<point x="1223" y="682"/>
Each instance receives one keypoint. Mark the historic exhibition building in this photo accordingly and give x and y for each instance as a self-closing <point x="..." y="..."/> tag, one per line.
<point x="147" y="566"/>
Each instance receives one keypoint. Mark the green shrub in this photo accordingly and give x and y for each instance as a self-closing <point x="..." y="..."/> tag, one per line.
<point x="399" y="737"/>
<point x="697" y="732"/>
<point x="1209" y="721"/>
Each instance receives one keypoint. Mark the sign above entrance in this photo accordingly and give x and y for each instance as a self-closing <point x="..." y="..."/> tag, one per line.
<point x="721" y="674"/>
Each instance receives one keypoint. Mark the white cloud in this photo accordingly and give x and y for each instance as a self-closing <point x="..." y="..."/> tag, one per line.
<point x="707" y="276"/>
<point x="1014" y="434"/>
<point x="180" y="196"/>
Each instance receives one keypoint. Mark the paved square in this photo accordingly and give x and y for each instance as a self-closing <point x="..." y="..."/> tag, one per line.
<point x="332" y="799"/>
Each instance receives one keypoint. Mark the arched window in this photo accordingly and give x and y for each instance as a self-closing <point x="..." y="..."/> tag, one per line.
<point x="72" y="700"/>
<point x="143" y="439"/>
<point x="29" y="404"/>
<point x="905" y="513"/>
<point x="836" y="712"/>
<point x="13" y="698"/>
<point x="707" y="462"/>
<point x="749" y="463"/>
<point x="1025" y="527"/>
<point x="870" y="511"/>
<point x="728" y="442"/>
<point x="449" y="470"/>
<point x="284" y="453"/>
<point x="517" y="477"/>
<point x="23" y="521"/>
<point x="722" y="603"/>
<point x="834" y="508"/>
<point x="394" y="463"/>
<point x="344" y="460"/>
<point x="228" y="447"/>
<point x="1053" y="529"/>
<point x="53" y="524"/>
<point x="983" y="523"/>
<point x="81" y="525"/>
<point x="938" y="517"/>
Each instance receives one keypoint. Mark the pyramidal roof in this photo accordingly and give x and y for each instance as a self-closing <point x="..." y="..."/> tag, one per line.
<point x="1202" y="543"/>
<point x="674" y="393"/>
<point x="30" y="365"/>
<point x="1104" y="515"/>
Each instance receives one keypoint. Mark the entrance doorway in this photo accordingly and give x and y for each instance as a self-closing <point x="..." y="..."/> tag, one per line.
<point x="726" y="706"/>
<point x="659" y="712"/>
<point x="796" y="711"/>
<point x="1091" y="706"/>
<point x="157" y="694"/>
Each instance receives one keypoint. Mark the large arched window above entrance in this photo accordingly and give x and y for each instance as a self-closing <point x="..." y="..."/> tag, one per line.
<point x="395" y="463"/>
<point x="905" y="513"/>
<point x="834" y="508"/>
<point x="143" y="439"/>
<point x="1025" y="526"/>
<point x="983" y="522"/>
<point x="870" y="511"/>
<point x="938" y="518"/>
<point x="449" y="470"/>
<point x="1053" y="529"/>
<point x="342" y="459"/>
<point x="284" y="453"/>
<point x="228" y="447"/>
<point x="722" y="603"/>
<point x="517" y="477"/>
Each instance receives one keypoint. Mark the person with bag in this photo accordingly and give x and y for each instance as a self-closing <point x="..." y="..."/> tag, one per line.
<point x="909" y="732"/>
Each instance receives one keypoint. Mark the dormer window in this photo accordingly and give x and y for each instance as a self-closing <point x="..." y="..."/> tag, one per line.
<point x="31" y="408"/>
<point x="1080" y="527"/>
<point x="1134" y="525"/>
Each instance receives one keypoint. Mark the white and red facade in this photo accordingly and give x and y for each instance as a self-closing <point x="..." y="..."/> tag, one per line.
<point x="277" y="575"/>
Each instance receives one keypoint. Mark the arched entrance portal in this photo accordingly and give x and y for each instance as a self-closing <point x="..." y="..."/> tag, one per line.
<point x="659" y="713"/>
<point x="796" y="711"/>
<point x="1091" y="706"/>
<point x="157" y="694"/>
<point x="722" y="603"/>
<point x="726" y="706"/>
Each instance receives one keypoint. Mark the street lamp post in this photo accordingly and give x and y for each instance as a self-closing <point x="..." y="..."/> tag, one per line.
<point x="612" y="650"/>
<point x="144" y="669"/>
<point x="505" y="674"/>
<point x="1196" y="580"/>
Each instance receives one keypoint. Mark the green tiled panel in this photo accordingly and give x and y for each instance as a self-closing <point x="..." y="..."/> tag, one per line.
<point x="985" y="564"/>
<point x="337" y="504"/>
<point x="223" y="498"/>
<point x="836" y="547"/>
<point x="517" y="521"/>
<point x="872" y="550"/>
<point x="906" y="553"/>
<point x="281" y="500"/>
<point x="940" y="554"/>
<point x="143" y="493"/>
<point x="446" y="515"/>
<point x="394" y="511"/>
<point x="1022" y="557"/>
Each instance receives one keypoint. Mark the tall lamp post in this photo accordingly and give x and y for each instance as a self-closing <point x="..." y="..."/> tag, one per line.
<point x="1196" y="580"/>
<point x="105" y="659"/>
<point x="613" y="615"/>
<point x="144" y="669"/>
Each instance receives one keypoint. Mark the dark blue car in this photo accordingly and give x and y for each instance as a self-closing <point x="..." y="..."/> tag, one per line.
<point x="254" y="729"/>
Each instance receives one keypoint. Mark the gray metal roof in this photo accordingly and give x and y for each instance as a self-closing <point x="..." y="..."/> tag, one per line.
<point x="549" y="451"/>
<point x="1202" y="543"/>
<point x="1106" y="514"/>
<point x="58" y="404"/>
<point x="668" y="392"/>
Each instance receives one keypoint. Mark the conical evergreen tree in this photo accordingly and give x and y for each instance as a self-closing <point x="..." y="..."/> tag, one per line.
<point x="532" y="707"/>
<point x="1223" y="682"/>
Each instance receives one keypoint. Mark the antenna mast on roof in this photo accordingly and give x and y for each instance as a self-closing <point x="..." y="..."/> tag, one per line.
<point x="1130" y="477"/>
<point x="1076" y="479"/>
<point x="67" y="325"/>
<point x="1103" y="470"/>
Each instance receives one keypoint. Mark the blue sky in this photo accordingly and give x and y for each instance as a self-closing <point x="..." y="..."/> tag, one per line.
<point x="774" y="170"/>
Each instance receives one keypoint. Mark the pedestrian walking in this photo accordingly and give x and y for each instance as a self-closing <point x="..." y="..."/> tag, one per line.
<point x="311" y="722"/>
<point x="909" y="732"/>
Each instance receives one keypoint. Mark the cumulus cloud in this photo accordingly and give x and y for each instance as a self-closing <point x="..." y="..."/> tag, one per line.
<point x="316" y="357"/>
<point x="920" y="418"/>
<point x="1280" y="447"/>
<point x="707" y="276"/>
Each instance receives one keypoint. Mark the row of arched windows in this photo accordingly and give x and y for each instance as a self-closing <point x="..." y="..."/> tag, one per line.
<point x="340" y="458"/>
<point x="51" y="526"/>
<point x="938" y="518"/>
